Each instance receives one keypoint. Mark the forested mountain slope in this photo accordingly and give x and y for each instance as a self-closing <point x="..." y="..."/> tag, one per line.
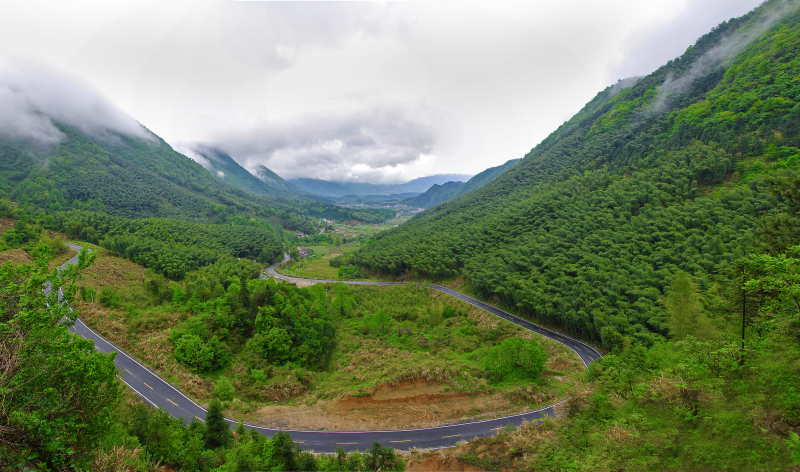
<point x="485" y="177"/>
<point x="668" y="174"/>
<point x="136" y="178"/>
<point x="266" y="183"/>
<point x="435" y="195"/>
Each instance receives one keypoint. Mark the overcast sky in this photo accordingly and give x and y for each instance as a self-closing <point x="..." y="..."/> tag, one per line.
<point x="365" y="91"/>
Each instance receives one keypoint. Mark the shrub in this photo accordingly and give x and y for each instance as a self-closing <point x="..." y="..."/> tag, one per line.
<point x="200" y="355"/>
<point x="224" y="389"/>
<point x="515" y="359"/>
<point x="109" y="298"/>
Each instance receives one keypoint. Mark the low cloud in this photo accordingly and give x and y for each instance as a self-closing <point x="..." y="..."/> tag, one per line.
<point x="728" y="49"/>
<point x="622" y="84"/>
<point x="34" y="98"/>
<point x="375" y="144"/>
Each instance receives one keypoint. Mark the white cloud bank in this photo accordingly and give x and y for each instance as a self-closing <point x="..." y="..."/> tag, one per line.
<point x="375" y="144"/>
<point x="34" y="97"/>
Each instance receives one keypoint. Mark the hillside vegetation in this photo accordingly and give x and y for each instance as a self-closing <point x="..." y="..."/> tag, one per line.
<point x="137" y="178"/>
<point x="669" y="174"/>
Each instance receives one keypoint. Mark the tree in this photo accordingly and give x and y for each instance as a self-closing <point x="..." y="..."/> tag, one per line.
<point x="382" y="458"/>
<point x="685" y="309"/>
<point x="280" y="452"/>
<point x="217" y="433"/>
<point x="57" y="393"/>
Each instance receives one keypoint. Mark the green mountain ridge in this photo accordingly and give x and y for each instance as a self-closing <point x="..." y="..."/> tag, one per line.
<point x="587" y="231"/>
<point x="435" y="195"/>
<point x="483" y="178"/>
<point x="138" y="178"/>
<point x="265" y="183"/>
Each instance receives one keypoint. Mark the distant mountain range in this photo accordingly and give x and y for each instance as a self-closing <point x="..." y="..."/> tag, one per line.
<point x="435" y="195"/>
<point x="441" y="193"/>
<point x="423" y="192"/>
<point x="327" y="188"/>
<point x="485" y="177"/>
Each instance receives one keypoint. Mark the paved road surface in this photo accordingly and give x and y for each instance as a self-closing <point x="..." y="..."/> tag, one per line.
<point x="159" y="392"/>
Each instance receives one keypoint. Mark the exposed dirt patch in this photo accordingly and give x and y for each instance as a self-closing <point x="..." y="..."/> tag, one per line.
<point x="438" y="463"/>
<point x="6" y="223"/>
<point x="406" y="393"/>
<point x="411" y="404"/>
<point x="16" y="256"/>
<point x="303" y="283"/>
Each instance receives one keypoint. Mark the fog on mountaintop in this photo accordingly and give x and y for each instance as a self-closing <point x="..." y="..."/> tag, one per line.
<point x="35" y="98"/>
<point x="729" y="48"/>
<point x="371" y="145"/>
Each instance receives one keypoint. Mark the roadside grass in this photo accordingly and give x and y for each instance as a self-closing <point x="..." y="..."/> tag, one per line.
<point x="313" y="268"/>
<point x="317" y="265"/>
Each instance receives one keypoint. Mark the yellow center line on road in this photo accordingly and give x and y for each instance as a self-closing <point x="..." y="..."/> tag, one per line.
<point x="453" y="436"/>
<point x="151" y="388"/>
<point x="169" y="400"/>
<point x="201" y="419"/>
<point x="348" y="443"/>
<point x="126" y="370"/>
<point x="404" y="440"/>
<point x="298" y="442"/>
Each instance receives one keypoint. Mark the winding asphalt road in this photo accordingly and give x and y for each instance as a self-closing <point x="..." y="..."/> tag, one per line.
<point x="159" y="392"/>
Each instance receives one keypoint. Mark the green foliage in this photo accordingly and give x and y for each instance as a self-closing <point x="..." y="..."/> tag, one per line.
<point x="794" y="446"/>
<point x="201" y="355"/>
<point x="515" y="359"/>
<point x="274" y="345"/>
<point x="216" y="433"/>
<point x="57" y="393"/>
<point x="173" y="247"/>
<point x="21" y="234"/>
<point x="109" y="298"/>
<point x="382" y="458"/>
<point x="685" y="309"/>
<point x="224" y="389"/>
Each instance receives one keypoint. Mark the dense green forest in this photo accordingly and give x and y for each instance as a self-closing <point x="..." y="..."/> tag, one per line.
<point x="670" y="174"/>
